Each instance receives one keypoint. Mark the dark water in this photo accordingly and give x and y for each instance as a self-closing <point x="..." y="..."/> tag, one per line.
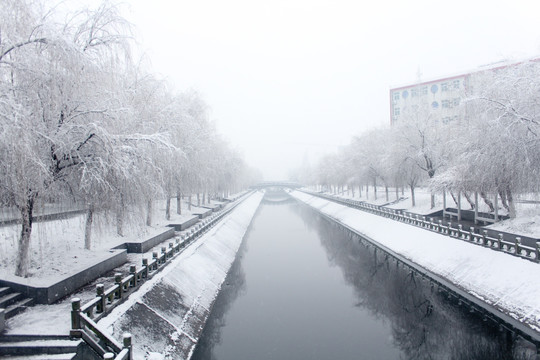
<point x="304" y="288"/>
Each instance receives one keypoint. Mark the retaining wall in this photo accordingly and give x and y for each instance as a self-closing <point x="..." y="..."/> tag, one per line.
<point x="184" y="225"/>
<point x="167" y="314"/>
<point x="47" y="293"/>
<point x="145" y="245"/>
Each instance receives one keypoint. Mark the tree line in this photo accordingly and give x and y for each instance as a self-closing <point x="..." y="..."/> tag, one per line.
<point x="81" y="120"/>
<point x="492" y="147"/>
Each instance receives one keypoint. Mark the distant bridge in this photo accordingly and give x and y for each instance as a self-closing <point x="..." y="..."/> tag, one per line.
<point x="276" y="184"/>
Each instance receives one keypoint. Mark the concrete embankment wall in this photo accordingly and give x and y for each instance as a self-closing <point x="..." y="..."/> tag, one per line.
<point x="167" y="314"/>
<point x="505" y="285"/>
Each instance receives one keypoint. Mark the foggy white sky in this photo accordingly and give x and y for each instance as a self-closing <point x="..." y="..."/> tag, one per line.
<point x="288" y="80"/>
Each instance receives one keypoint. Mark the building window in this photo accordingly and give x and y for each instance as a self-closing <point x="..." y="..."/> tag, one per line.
<point x="423" y="91"/>
<point x="396" y="95"/>
<point x="405" y="94"/>
<point x="434" y="88"/>
<point x="444" y="86"/>
<point x="448" y="119"/>
<point x="455" y="84"/>
<point x="414" y="92"/>
<point x="446" y="104"/>
<point x="456" y="102"/>
<point x="396" y="111"/>
<point x="435" y="105"/>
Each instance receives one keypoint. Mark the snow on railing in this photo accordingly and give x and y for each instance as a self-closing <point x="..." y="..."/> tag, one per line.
<point x="84" y="318"/>
<point x="514" y="247"/>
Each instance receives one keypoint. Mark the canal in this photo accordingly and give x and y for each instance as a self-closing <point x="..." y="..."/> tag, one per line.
<point x="302" y="287"/>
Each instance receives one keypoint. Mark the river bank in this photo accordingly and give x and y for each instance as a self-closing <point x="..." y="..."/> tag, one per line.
<point x="506" y="283"/>
<point x="167" y="314"/>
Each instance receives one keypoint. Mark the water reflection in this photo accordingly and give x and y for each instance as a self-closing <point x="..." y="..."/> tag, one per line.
<point x="425" y="323"/>
<point x="235" y="284"/>
<point x="277" y="196"/>
<point x="282" y="300"/>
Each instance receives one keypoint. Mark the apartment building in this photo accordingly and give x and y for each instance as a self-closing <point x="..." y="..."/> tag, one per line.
<point x="438" y="99"/>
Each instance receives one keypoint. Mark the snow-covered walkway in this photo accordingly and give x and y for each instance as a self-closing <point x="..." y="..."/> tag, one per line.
<point x="55" y="319"/>
<point x="506" y="282"/>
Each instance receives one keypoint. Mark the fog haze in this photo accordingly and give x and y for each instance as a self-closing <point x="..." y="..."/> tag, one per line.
<point x="288" y="81"/>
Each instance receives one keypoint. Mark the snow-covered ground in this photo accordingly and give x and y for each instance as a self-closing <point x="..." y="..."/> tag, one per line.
<point x="504" y="281"/>
<point x="168" y="327"/>
<point x="57" y="247"/>
<point x="55" y="319"/>
<point x="526" y="223"/>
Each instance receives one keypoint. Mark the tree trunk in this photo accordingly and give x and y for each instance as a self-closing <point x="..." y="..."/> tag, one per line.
<point x="375" y="188"/>
<point x="120" y="217"/>
<point x="204" y="197"/>
<point x="397" y="193"/>
<point x="119" y="224"/>
<point x="502" y="194"/>
<point x="454" y="197"/>
<point x="386" y="190"/>
<point x="189" y="202"/>
<point x="413" y="200"/>
<point x="367" y="192"/>
<point x="149" y="213"/>
<point x="469" y="200"/>
<point x="487" y="201"/>
<point x="23" y="251"/>
<point x="432" y="200"/>
<point x="198" y="199"/>
<point x="178" y="203"/>
<point x="511" y="204"/>
<point x="88" y="227"/>
<point x="168" y="208"/>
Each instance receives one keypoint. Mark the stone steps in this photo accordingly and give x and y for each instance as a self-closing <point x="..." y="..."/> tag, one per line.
<point x="11" y="304"/>
<point x="18" y="307"/>
<point x="39" y="347"/>
<point x="71" y="356"/>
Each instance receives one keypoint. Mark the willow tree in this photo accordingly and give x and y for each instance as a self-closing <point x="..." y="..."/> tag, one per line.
<point x="53" y="115"/>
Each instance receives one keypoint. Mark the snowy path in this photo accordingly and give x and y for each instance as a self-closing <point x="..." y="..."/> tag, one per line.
<point x="504" y="281"/>
<point x="55" y="319"/>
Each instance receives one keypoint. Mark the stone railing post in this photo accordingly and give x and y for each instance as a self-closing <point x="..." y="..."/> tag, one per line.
<point x="75" y="314"/>
<point x="163" y="256"/>
<point x="2" y="320"/>
<point x="155" y="257"/>
<point x="471" y="233"/>
<point x="118" y="281"/>
<point x="145" y="266"/>
<point x="133" y="271"/>
<point x="537" y="251"/>
<point x="108" y="356"/>
<point x="126" y="340"/>
<point x="518" y="244"/>
<point x="100" y="293"/>
<point x="484" y="237"/>
<point x="459" y="231"/>
<point x="500" y="241"/>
